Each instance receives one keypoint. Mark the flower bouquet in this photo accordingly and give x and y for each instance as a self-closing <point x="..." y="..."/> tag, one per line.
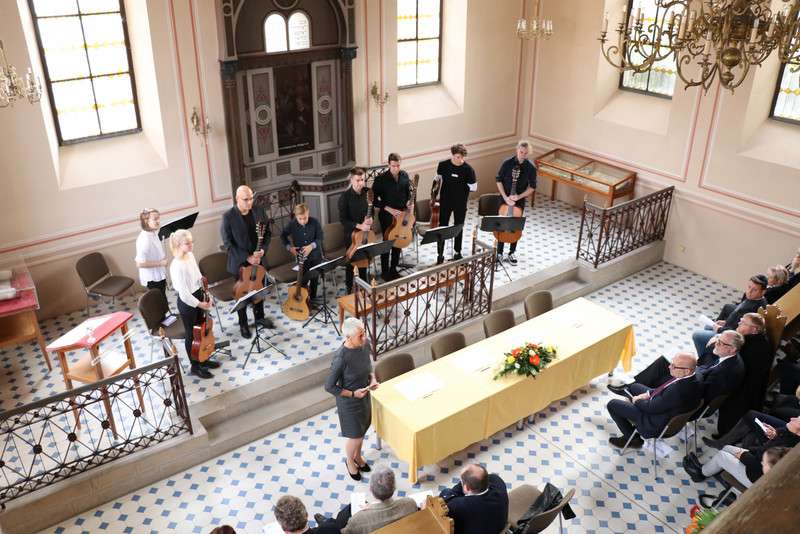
<point x="529" y="359"/>
<point x="701" y="518"/>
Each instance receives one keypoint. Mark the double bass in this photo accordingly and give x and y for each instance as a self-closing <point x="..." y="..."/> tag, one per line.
<point x="361" y="237"/>
<point x="296" y="305"/>
<point x="510" y="211"/>
<point x="202" y="332"/>
<point x="251" y="277"/>
<point x="401" y="228"/>
<point x="435" y="206"/>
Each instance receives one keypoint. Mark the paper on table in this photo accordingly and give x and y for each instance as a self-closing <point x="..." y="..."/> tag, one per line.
<point x="420" y="497"/>
<point x="568" y="318"/>
<point x="705" y="321"/>
<point x="521" y="336"/>
<point x="273" y="528"/>
<point x="357" y="500"/>
<point x="419" y="386"/>
<point x="476" y="358"/>
<point x="79" y="332"/>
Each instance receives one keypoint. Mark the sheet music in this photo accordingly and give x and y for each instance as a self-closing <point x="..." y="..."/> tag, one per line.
<point x="418" y="386"/>
<point x="475" y="359"/>
<point x="420" y="497"/>
<point x="521" y="336"/>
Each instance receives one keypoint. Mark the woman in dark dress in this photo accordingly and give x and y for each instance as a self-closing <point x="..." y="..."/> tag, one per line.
<point x="350" y="380"/>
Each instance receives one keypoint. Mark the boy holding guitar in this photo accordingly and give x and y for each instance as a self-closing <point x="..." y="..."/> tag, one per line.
<point x="353" y="211"/>
<point x="392" y="195"/>
<point x="306" y="234"/>
<point x="525" y="185"/>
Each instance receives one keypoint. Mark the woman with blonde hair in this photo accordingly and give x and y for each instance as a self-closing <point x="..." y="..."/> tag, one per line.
<point x="150" y="257"/>
<point x="186" y="278"/>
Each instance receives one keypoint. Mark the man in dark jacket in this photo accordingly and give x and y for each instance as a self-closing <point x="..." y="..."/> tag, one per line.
<point x="479" y="503"/>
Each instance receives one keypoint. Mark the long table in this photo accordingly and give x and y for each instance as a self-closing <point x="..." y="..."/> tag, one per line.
<point x="471" y="406"/>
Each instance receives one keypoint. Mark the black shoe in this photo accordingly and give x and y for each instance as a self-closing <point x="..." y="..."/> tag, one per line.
<point x="439" y="260"/>
<point x="622" y="390"/>
<point x="394" y="275"/>
<point x="457" y="256"/>
<point x="692" y="460"/>
<point x="364" y="468"/>
<point x="266" y="322"/>
<point x="713" y="443"/>
<point x="245" y="331"/>
<point x="620" y="441"/>
<point x="355" y="477"/>
<point x="210" y="364"/>
<point x="200" y="372"/>
<point x="716" y="435"/>
<point x="695" y="473"/>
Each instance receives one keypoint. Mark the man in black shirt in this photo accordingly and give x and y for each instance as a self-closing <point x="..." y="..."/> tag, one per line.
<point x="392" y="195"/>
<point x="353" y="211"/>
<point x="458" y="180"/>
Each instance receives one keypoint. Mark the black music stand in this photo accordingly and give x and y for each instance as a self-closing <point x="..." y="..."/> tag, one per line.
<point x="321" y="270"/>
<point x="182" y="223"/>
<point x="369" y="252"/>
<point x="502" y="223"/>
<point x="249" y="300"/>
<point x="440" y="234"/>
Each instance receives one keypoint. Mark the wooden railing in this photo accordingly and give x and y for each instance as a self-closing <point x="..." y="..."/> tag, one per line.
<point x="42" y="443"/>
<point x="607" y="233"/>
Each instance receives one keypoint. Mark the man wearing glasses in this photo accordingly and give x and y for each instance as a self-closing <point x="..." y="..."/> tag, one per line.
<point x="649" y="410"/>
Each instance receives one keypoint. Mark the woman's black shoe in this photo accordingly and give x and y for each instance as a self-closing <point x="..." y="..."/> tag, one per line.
<point x="364" y="468"/>
<point x="355" y="477"/>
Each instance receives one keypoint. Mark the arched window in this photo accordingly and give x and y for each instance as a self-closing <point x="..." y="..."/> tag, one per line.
<point x="277" y="38"/>
<point x="786" y="104"/>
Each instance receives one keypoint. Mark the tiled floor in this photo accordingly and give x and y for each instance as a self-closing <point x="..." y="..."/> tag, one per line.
<point x="566" y="446"/>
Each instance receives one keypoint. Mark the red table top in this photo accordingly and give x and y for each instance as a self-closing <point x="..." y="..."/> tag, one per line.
<point x="25" y="300"/>
<point x="103" y="325"/>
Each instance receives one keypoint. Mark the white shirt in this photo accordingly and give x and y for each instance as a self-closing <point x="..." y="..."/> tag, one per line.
<point x="149" y="249"/>
<point x="186" y="277"/>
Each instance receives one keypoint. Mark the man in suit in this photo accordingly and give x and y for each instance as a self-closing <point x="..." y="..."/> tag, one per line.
<point x="651" y="409"/>
<point x="720" y="366"/>
<point x="240" y="236"/>
<point x="479" y="503"/>
<point x="292" y="516"/>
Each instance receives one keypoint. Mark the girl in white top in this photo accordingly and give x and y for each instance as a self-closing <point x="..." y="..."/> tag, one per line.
<point x="150" y="257"/>
<point x="186" y="278"/>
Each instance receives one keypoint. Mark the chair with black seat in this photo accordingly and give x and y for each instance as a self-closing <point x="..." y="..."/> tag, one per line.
<point x="537" y="303"/>
<point x="733" y="484"/>
<point x="489" y="204"/>
<point x="220" y="282"/>
<point x="333" y="245"/>
<point x="708" y="410"/>
<point x="498" y="321"/>
<point x="521" y="498"/>
<point x="447" y="343"/>
<point x="671" y="429"/>
<point x="394" y="365"/>
<point x="154" y="309"/>
<point x="98" y="282"/>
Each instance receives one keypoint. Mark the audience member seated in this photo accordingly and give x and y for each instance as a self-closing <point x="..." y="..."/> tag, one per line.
<point x="794" y="271"/>
<point x="785" y="407"/>
<point x="721" y="369"/>
<point x="729" y="317"/>
<point x="777" y="283"/>
<point x="651" y="409"/>
<point x="479" y="503"/>
<point x="373" y="516"/>
<point x="744" y="464"/>
<point x="292" y="516"/>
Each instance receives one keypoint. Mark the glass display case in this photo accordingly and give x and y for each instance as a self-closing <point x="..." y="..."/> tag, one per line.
<point x="18" y="304"/>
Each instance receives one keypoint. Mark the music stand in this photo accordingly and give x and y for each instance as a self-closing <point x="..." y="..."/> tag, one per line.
<point x="321" y="270"/>
<point x="249" y="300"/>
<point x="371" y="251"/>
<point x="440" y="234"/>
<point x="182" y="223"/>
<point x="502" y="223"/>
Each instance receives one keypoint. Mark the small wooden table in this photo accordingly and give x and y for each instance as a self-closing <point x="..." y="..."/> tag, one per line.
<point x="18" y="315"/>
<point x="90" y="367"/>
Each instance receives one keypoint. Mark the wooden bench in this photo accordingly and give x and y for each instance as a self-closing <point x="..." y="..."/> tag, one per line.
<point x="430" y="520"/>
<point x="789" y="306"/>
<point x="387" y="298"/>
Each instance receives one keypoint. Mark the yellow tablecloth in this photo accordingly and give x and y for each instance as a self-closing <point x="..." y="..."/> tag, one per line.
<point x="472" y="406"/>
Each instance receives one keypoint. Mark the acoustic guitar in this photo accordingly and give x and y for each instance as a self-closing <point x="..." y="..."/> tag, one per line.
<point x="510" y="211"/>
<point x="296" y="306"/>
<point x="435" y="188"/>
<point x="361" y="237"/>
<point x="202" y="332"/>
<point x="251" y="277"/>
<point x="402" y="226"/>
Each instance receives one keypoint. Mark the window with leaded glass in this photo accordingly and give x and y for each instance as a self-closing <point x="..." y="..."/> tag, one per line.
<point x="278" y="39"/>
<point x="660" y="78"/>
<point x="87" y="64"/>
<point x="419" y="47"/>
<point x="786" y="104"/>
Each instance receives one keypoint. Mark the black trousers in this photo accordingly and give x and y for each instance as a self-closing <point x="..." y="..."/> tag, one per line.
<point x="258" y="313"/>
<point x="386" y="219"/>
<point x="348" y="276"/>
<point x="459" y="216"/>
<point x="512" y="246"/>
<point x="161" y="284"/>
<point x="190" y="315"/>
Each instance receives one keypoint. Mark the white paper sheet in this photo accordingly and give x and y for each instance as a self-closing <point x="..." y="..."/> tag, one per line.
<point x="568" y="318"/>
<point x="475" y="359"/>
<point x="357" y="500"/>
<point x="705" y="321"/>
<point x="420" y="497"/>
<point x="77" y="333"/>
<point x="521" y="336"/>
<point x="273" y="528"/>
<point x="418" y="386"/>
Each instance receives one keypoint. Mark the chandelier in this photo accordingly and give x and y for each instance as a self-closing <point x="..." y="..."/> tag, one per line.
<point x="723" y="37"/>
<point x="535" y="28"/>
<point x="13" y="87"/>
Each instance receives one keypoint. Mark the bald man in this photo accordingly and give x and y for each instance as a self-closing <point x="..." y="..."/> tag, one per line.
<point x="479" y="503"/>
<point x="239" y="234"/>
<point x="651" y="409"/>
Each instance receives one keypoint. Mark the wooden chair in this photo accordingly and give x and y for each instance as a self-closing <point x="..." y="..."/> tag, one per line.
<point x="447" y="343"/>
<point x="774" y="321"/>
<point x="498" y="321"/>
<point x="394" y="365"/>
<point x="154" y="309"/>
<point x="537" y="303"/>
<point x="220" y="282"/>
<point x="98" y="282"/>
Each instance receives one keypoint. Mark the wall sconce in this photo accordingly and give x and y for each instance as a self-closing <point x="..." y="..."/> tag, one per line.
<point x="200" y="128"/>
<point x="376" y="95"/>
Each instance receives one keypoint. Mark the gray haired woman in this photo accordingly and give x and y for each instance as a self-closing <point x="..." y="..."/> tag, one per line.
<point x="350" y="380"/>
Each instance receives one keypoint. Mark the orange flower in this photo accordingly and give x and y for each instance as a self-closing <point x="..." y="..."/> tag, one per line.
<point x="535" y="347"/>
<point x="516" y="352"/>
<point x="530" y="359"/>
<point x="535" y="360"/>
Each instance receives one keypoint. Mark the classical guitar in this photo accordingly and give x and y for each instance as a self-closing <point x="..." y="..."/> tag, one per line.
<point x="251" y="277"/>
<point x="202" y="332"/>
<point x="361" y="237"/>
<point x="402" y="226"/>
<point x="435" y="188"/>
<point x="510" y="211"/>
<point x="296" y="305"/>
